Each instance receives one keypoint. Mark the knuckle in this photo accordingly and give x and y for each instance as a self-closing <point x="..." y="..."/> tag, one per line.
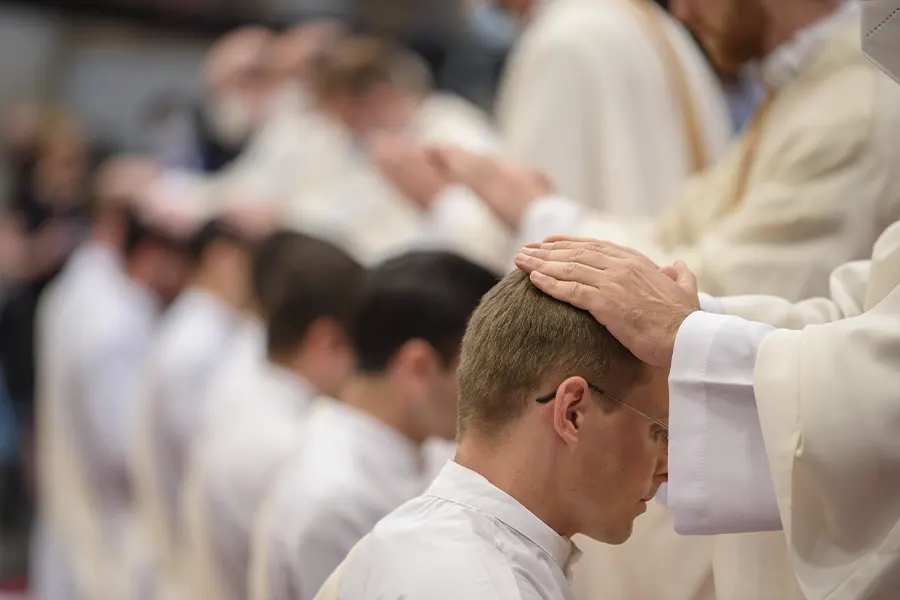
<point x="576" y="292"/>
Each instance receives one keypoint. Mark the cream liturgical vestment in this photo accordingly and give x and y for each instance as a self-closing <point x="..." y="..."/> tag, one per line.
<point x="346" y="200"/>
<point x="806" y="442"/>
<point x="613" y="100"/>
<point x="773" y="216"/>
<point x="282" y="155"/>
<point x="814" y="424"/>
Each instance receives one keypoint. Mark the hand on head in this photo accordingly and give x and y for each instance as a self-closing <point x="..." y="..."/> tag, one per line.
<point x="507" y="188"/>
<point x="638" y="302"/>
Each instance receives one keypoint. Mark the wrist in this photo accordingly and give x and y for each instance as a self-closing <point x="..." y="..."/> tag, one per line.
<point x="672" y="330"/>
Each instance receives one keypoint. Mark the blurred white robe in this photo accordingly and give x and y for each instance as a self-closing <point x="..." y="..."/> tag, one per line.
<point x="193" y="337"/>
<point x="245" y="440"/>
<point x="591" y="97"/>
<point x="353" y="471"/>
<point x="68" y="531"/>
<point x="113" y="326"/>
<point x="805" y="442"/>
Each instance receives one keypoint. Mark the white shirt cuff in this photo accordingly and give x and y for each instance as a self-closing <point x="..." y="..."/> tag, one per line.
<point x="711" y="304"/>
<point x="719" y="477"/>
<point x="550" y="215"/>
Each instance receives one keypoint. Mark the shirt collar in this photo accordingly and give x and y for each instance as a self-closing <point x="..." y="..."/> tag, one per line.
<point x="288" y="385"/>
<point x="196" y="300"/>
<point x="403" y="454"/>
<point x="458" y="484"/>
<point x="98" y="253"/>
<point x="786" y="62"/>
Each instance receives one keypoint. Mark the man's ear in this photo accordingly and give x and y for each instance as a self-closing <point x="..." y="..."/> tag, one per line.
<point x="572" y="397"/>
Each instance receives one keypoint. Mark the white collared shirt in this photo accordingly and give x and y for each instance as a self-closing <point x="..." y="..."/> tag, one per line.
<point x="236" y="459"/>
<point x="353" y="471"/>
<point x="464" y="538"/>
<point x="194" y="335"/>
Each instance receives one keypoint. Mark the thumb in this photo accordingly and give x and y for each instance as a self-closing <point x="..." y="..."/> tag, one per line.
<point x="670" y="272"/>
<point x="685" y="278"/>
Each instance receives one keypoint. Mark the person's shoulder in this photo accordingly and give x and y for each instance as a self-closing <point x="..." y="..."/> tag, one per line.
<point x="581" y="24"/>
<point x="190" y="337"/>
<point x="416" y="553"/>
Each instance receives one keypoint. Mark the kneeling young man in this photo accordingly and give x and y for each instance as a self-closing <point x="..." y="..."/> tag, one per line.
<point x="561" y="431"/>
<point x="363" y="456"/>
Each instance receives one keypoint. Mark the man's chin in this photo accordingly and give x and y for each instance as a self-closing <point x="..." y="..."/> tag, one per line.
<point x="615" y="535"/>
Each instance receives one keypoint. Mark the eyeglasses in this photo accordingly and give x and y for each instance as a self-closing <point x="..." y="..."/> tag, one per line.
<point x="595" y="388"/>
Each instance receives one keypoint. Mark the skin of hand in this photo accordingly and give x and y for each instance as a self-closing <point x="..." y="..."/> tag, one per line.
<point x="409" y="167"/>
<point x="639" y="303"/>
<point x="509" y="189"/>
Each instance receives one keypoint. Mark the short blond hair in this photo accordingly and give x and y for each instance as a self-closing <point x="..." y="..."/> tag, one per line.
<point x="521" y="343"/>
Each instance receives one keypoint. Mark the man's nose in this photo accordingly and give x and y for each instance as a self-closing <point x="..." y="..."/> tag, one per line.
<point x="662" y="468"/>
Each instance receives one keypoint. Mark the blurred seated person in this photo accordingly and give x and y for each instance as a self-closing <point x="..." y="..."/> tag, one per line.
<point x="363" y="456"/>
<point x="66" y="527"/>
<point x="94" y="374"/>
<point x="237" y="92"/>
<point x="246" y="437"/>
<point x="561" y="431"/>
<point x="194" y="335"/>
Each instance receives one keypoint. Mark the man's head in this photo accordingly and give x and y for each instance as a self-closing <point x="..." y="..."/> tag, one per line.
<point x="371" y="84"/>
<point x="309" y="294"/>
<point x="116" y="184"/>
<point x="735" y="32"/>
<point x="603" y="458"/>
<point x="295" y="53"/>
<point x="238" y="84"/>
<point x="166" y="211"/>
<point x="409" y="332"/>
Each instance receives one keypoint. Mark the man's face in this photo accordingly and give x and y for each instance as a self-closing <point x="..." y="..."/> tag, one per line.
<point x="620" y="460"/>
<point x="173" y="272"/>
<point x="732" y="31"/>
<point x="380" y="109"/>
